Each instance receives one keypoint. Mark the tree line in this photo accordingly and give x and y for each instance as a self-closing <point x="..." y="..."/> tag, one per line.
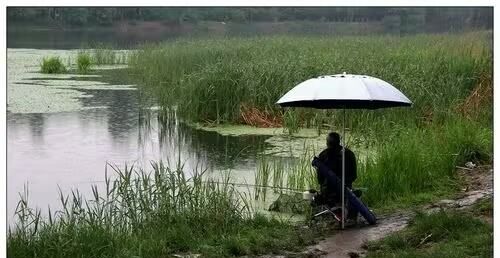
<point x="437" y="17"/>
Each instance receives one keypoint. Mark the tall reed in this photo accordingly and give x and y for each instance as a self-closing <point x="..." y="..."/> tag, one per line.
<point x="419" y="163"/>
<point x="105" y="54"/>
<point x="148" y="214"/>
<point x="209" y="79"/>
<point x="283" y="177"/>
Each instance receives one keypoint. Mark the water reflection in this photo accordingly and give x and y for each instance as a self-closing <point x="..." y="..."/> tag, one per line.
<point x="71" y="149"/>
<point x="35" y="122"/>
<point x="224" y="151"/>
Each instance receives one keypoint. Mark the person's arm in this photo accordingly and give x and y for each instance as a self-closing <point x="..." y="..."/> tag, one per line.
<point x="353" y="167"/>
<point x="322" y="156"/>
<point x="321" y="180"/>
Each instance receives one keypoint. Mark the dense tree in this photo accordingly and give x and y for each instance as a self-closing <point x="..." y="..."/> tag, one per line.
<point x="401" y="20"/>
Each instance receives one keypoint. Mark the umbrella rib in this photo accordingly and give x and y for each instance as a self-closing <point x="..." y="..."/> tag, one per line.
<point x="370" y="97"/>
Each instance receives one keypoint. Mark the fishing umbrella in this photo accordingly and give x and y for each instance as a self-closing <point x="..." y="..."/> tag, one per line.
<point x="344" y="91"/>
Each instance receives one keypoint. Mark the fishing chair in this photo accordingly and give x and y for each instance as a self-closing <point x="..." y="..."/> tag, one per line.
<point x="324" y="205"/>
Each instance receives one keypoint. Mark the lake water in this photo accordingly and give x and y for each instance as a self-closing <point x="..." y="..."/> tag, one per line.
<point x="62" y="130"/>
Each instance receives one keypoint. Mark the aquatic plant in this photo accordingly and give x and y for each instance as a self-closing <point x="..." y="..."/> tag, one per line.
<point x="292" y="122"/>
<point x="104" y="54"/>
<point x="283" y="177"/>
<point x="83" y="62"/>
<point x="52" y="65"/>
<point x="150" y="214"/>
<point x="262" y="178"/>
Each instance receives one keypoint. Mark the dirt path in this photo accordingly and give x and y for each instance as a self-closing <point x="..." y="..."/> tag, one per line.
<point x="351" y="242"/>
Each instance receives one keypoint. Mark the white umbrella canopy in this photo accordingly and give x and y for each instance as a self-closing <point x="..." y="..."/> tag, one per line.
<point x="348" y="91"/>
<point x="344" y="91"/>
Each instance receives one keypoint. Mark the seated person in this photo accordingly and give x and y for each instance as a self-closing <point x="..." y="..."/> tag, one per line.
<point x="332" y="158"/>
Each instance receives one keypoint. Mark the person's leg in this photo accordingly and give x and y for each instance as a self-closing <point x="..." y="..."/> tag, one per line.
<point x="352" y="213"/>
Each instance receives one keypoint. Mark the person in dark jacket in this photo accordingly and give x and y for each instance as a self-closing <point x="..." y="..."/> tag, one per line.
<point x="332" y="158"/>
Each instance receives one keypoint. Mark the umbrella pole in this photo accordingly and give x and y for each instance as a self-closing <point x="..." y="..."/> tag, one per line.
<point x="343" y="169"/>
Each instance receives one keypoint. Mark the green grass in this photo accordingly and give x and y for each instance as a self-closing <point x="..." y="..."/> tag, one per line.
<point x="281" y="177"/>
<point x="208" y="80"/>
<point x="443" y="234"/>
<point x="152" y="214"/>
<point x="406" y="167"/>
<point x="484" y="207"/>
<point x="52" y="65"/>
<point x="84" y="63"/>
<point x="422" y="160"/>
<point x="103" y="54"/>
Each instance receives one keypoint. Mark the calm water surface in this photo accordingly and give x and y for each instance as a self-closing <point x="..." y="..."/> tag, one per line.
<point x="70" y="149"/>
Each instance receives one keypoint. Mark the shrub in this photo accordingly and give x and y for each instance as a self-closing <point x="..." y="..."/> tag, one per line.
<point x="83" y="62"/>
<point x="52" y="65"/>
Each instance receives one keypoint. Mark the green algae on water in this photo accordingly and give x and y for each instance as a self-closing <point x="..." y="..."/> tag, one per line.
<point x="29" y="91"/>
<point x="239" y="130"/>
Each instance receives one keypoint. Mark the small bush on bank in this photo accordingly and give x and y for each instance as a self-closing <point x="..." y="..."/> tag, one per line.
<point x="52" y="65"/>
<point x="83" y="62"/>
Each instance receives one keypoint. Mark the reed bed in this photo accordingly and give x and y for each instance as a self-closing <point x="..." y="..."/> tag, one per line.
<point x="107" y="56"/>
<point x="104" y="54"/>
<point x="285" y="176"/>
<point x="209" y="80"/>
<point x="149" y="214"/>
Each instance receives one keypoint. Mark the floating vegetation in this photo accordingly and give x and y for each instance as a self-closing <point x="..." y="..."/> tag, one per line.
<point x="239" y="130"/>
<point x="25" y="98"/>
<point x="29" y="91"/>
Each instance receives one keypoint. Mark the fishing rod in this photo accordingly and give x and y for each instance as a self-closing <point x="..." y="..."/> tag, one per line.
<point x="295" y="190"/>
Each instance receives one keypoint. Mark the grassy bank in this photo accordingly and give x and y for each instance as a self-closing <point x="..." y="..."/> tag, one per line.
<point x="415" y="150"/>
<point x="152" y="214"/>
<point x="220" y="80"/>
<point x="443" y="234"/>
<point x="418" y="164"/>
<point x="409" y="166"/>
